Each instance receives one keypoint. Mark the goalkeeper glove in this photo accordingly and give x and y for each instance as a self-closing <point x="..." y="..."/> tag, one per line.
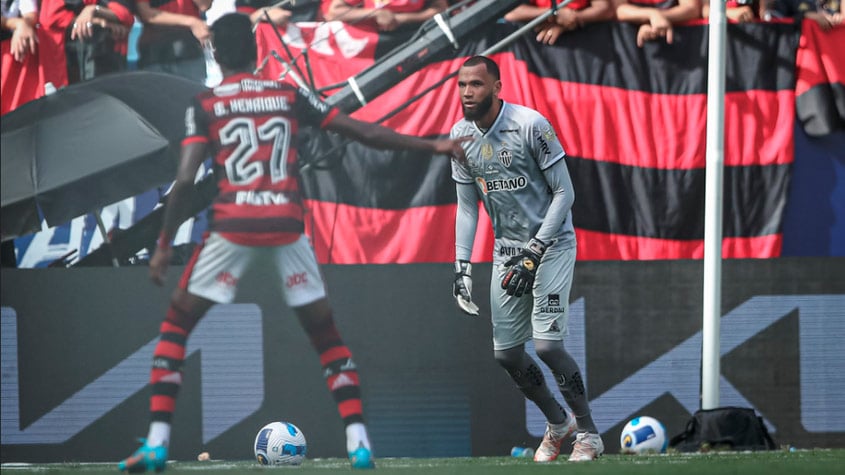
<point x="519" y="278"/>
<point x="462" y="288"/>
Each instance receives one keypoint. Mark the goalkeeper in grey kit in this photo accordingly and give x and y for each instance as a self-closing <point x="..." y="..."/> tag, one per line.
<point x="515" y="166"/>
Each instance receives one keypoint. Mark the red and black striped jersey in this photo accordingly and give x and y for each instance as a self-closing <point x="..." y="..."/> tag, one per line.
<point x="251" y="125"/>
<point x="184" y="7"/>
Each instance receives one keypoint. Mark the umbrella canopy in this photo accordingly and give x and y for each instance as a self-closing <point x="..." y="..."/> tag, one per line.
<point x="89" y="145"/>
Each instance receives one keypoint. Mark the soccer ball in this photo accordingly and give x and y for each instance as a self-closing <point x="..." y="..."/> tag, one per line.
<point x="280" y="443"/>
<point x="643" y="435"/>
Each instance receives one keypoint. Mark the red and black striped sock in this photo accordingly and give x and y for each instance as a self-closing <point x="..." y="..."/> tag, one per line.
<point x="166" y="374"/>
<point x="339" y="370"/>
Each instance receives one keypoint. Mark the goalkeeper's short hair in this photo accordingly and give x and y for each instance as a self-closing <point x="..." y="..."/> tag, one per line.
<point x="234" y="42"/>
<point x="489" y="64"/>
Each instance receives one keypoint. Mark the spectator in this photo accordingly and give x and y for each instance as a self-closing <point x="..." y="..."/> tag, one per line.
<point x="382" y="14"/>
<point x="96" y="42"/>
<point x="740" y="11"/>
<point x="81" y="39"/>
<point x="20" y="54"/>
<point x="279" y="15"/>
<point x="256" y="10"/>
<point x="173" y="38"/>
<point x="19" y="19"/>
<point x="657" y="17"/>
<point x="572" y="16"/>
<point x="827" y="13"/>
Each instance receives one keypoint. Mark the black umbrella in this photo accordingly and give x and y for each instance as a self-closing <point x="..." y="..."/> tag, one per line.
<point x="88" y="145"/>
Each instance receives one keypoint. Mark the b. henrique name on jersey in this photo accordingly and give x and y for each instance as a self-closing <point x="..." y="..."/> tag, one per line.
<point x="239" y="104"/>
<point x="251" y="105"/>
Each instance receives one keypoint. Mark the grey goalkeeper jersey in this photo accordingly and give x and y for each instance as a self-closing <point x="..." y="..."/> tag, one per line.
<point x="506" y="163"/>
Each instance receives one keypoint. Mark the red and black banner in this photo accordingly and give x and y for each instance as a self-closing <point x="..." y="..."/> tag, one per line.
<point x="632" y="121"/>
<point x="820" y="86"/>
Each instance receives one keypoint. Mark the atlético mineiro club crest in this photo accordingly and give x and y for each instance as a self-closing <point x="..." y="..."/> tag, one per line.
<point x="505" y="157"/>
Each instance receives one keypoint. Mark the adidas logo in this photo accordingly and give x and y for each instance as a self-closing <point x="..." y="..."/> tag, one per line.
<point x="348" y="365"/>
<point x="342" y="380"/>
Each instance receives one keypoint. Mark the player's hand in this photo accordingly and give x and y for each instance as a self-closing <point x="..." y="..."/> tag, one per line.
<point x="462" y="288"/>
<point x="159" y="264"/>
<point x="453" y="148"/>
<point x="519" y="278"/>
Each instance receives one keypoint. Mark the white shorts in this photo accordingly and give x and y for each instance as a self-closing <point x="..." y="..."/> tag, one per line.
<point x="214" y="273"/>
<point x="543" y="314"/>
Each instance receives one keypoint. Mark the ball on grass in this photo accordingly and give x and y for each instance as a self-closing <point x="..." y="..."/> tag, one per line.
<point x="204" y="457"/>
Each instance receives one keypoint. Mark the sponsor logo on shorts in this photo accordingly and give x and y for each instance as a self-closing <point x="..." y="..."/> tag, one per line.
<point x="508" y="251"/>
<point x="553" y="306"/>
<point x="293" y="280"/>
<point x="226" y="279"/>
<point x="552" y="309"/>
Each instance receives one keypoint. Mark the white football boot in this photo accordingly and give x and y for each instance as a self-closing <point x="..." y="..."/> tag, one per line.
<point x="587" y="446"/>
<point x="549" y="448"/>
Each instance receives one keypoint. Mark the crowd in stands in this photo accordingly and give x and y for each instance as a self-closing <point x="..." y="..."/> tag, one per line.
<point x="65" y="41"/>
<point x="49" y="44"/>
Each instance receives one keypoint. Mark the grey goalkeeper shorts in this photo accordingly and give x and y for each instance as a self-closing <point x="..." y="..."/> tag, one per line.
<point x="542" y="314"/>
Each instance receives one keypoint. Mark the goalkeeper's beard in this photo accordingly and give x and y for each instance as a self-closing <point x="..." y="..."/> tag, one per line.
<point x="481" y="109"/>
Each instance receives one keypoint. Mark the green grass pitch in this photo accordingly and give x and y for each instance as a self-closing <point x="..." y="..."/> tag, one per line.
<point x="811" y="462"/>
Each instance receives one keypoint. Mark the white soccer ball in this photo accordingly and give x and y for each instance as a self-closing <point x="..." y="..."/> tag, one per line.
<point x="643" y="435"/>
<point x="280" y="443"/>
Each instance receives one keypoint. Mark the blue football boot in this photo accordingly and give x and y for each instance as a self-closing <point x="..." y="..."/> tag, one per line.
<point x="362" y="458"/>
<point x="145" y="459"/>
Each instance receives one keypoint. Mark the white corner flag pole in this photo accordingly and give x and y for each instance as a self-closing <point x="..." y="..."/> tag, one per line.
<point x="713" y="199"/>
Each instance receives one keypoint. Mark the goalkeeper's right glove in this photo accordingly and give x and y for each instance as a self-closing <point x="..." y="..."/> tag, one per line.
<point x="522" y="268"/>
<point x="462" y="288"/>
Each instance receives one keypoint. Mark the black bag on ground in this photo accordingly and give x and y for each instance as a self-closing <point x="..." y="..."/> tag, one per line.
<point x="724" y="428"/>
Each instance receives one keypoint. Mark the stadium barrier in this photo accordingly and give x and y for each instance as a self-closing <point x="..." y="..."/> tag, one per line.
<point x="77" y="345"/>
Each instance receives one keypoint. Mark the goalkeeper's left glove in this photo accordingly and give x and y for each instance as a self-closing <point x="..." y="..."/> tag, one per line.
<point x="519" y="278"/>
<point x="462" y="288"/>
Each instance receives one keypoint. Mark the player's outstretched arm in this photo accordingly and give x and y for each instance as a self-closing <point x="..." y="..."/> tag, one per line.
<point x="177" y="208"/>
<point x="379" y="136"/>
